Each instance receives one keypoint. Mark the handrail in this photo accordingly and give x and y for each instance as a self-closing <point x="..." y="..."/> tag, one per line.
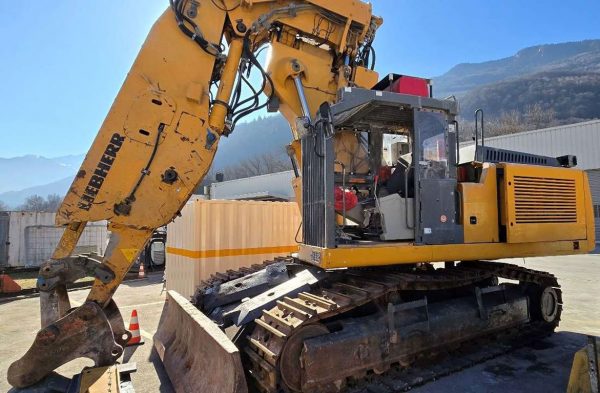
<point x="478" y="114"/>
<point x="457" y="142"/>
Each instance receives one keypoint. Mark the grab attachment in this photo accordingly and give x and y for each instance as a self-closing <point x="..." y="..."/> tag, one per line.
<point x="88" y="331"/>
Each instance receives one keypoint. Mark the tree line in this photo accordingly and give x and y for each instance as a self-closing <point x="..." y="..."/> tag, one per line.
<point x="534" y="117"/>
<point x="260" y="164"/>
<point x="36" y="203"/>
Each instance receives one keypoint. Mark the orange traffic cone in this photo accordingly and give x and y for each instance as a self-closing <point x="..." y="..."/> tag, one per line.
<point x="134" y="328"/>
<point x="141" y="272"/>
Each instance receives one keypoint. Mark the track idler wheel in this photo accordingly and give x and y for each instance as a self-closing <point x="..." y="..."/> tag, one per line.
<point x="545" y="303"/>
<point x="549" y="307"/>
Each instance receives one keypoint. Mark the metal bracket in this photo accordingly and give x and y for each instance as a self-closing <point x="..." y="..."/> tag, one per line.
<point x="252" y="309"/>
<point x="484" y="312"/>
<point x="54" y="277"/>
<point x="406" y="331"/>
<point x="68" y="270"/>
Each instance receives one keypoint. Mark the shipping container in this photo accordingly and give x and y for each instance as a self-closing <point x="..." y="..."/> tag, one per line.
<point x="217" y="235"/>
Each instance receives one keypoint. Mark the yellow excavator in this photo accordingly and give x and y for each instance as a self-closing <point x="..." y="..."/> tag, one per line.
<point x="383" y="195"/>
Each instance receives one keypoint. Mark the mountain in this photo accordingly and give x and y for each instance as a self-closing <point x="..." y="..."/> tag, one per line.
<point x="15" y="198"/>
<point x="19" y="173"/>
<point x="571" y="96"/>
<point x="582" y="56"/>
<point x="264" y="135"/>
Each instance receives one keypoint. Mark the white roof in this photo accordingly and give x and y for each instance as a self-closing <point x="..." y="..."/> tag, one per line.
<point x="278" y="185"/>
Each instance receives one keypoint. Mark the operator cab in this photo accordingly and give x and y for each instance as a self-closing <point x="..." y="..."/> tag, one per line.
<point x="380" y="166"/>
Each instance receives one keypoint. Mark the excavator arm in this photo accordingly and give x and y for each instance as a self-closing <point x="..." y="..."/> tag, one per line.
<point x="183" y="93"/>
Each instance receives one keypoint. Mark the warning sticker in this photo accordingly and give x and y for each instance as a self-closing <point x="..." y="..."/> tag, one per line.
<point x="129" y="253"/>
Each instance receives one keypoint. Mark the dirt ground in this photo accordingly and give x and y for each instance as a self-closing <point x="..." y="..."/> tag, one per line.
<point x="528" y="369"/>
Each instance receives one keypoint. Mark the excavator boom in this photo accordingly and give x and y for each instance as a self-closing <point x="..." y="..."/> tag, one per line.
<point x="161" y="134"/>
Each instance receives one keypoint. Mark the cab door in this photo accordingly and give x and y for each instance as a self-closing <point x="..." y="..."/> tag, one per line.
<point x="436" y="197"/>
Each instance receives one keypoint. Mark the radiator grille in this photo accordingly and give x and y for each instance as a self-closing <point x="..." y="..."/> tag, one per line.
<point x="544" y="200"/>
<point x="318" y="215"/>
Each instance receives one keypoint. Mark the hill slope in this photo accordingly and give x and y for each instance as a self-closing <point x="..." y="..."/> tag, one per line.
<point x="263" y="135"/>
<point x="16" y="198"/>
<point x="583" y="56"/>
<point x="18" y="173"/>
<point x="571" y="96"/>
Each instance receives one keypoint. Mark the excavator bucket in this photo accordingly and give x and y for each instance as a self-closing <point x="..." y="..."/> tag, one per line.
<point x="197" y="355"/>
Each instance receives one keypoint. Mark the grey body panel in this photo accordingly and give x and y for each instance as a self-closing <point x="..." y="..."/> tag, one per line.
<point x="318" y="212"/>
<point x="438" y="221"/>
<point x="495" y="155"/>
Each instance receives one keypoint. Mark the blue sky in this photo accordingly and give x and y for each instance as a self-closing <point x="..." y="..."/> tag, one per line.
<point x="62" y="62"/>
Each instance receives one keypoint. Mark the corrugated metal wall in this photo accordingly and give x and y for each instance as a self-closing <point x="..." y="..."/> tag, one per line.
<point x="32" y="237"/>
<point x="41" y="240"/>
<point x="216" y="235"/>
<point x="594" y="178"/>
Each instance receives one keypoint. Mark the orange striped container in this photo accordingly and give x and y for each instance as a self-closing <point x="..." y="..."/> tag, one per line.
<point x="216" y="235"/>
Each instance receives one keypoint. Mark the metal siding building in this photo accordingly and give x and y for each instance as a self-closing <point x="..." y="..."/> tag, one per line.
<point x="579" y="139"/>
<point x="594" y="176"/>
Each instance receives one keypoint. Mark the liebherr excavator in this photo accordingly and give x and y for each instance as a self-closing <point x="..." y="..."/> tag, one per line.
<point x="383" y="196"/>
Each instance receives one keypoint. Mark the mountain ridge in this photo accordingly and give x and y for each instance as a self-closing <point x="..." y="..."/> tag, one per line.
<point x="21" y="172"/>
<point x="13" y="199"/>
<point x="546" y="57"/>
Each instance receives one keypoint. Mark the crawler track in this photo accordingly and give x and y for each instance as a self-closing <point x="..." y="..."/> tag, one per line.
<point x="433" y="366"/>
<point x="272" y="345"/>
